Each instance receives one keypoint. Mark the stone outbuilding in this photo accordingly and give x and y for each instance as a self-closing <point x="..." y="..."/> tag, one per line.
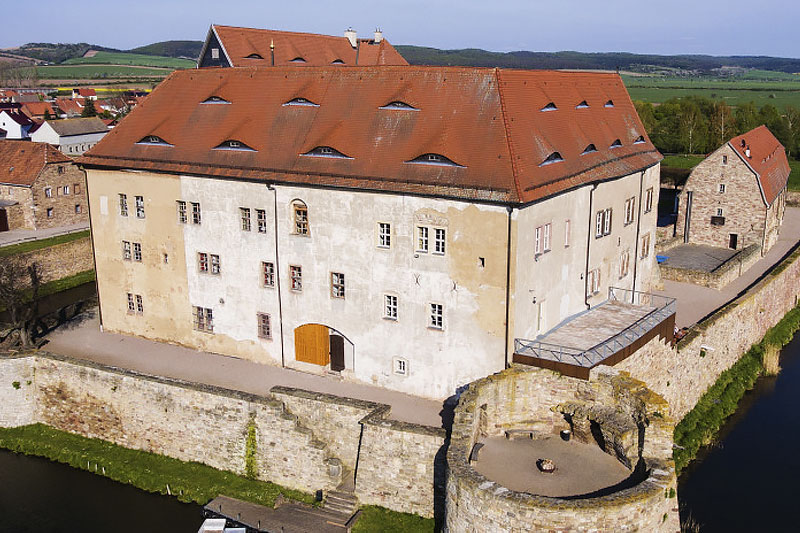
<point x="39" y="187"/>
<point x="736" y="197"/>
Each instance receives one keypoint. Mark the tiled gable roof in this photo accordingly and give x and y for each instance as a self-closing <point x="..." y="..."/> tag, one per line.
<point x="77" y="126"/>
<point x="37" y="109"/>
<point x="477" y="118"/>
<point x="22" y="161"/>
<point x="316" y="50"/>
<point x="767" y="158"/>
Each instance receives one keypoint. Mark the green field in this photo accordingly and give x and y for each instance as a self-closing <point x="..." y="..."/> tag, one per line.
<point x="123" y="58"/>
<point x="95" y="72"/>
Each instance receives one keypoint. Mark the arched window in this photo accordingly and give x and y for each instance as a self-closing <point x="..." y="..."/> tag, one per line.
<point x="215" y="100"/>
<point x="153" y="140"/>
<point x="300" y="218"/>
<point x="233" y="144"/>
<point x="616" y="144"/>
<point x="301" y="101"/>
<point x="434" y="159"/>
<point x="397" y="104"/>
<point x="555" y="157"/>
<point x="326" y="151"/>
<point x="589" y="149"/>
<point x="549" y="107"/>
<point x="582" y="105"/>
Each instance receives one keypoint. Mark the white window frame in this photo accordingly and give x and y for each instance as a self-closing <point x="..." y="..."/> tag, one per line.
<point x="648" y="200"/>
<point x="439" y="241"/>
<point x="216" y="267"/>
<point x="244" y="215"/>
<point x="180" y="206"/>
<point x="548" y="230"/>
<point x="721" y="188"/>
<point x="384" y="235"/>
<point x="123" y="205"/>
<point x="267" y="274"/>
<point x="48" y="192"/>
<point x="645" y="252"/>
<point x="137" y="252"/>
<point x="630" y="203"/>
<point x="139" y="202"/>
<point x="436" y="316"/>
<point x="139" y="304"/>
<point x="202" y="262"/>
<point x="598" y="229"/>
<point x="296" y="277"/>
<point x="203" y="319"/>
<point x="607" y="221"/>
<point x="261" y="220"/>
<point x="126" y="251"/>
<point x="624" y="263"/>
<point x="65" y="190"/>
<point x="337" y="285"/>
<point x="720" y="212"/>
<point x="593" y="282"/>
<point x="422" y="239"/>
<point x="264" y="324"/>
<point x="197" y="215"/>
<point x="399" y="366"/>
<point x="390" y="306"/>
<point x="300" y="217"/>
<point x="567" y="232"/>
<point x="537" y="240"/>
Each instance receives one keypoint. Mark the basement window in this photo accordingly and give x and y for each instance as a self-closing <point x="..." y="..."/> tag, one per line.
<point x="297" y="60"/>
<point x="616" y="144"/>
<point x="639" y="140"/>
<point x="582" y="105"/>
<point x="301" y="101"/>
<point x="434" y="159"/>
<point x="254" y="56"/>
<point x="234" y="145"/>
<point x="549" y="107"/>
<point x="153" y="140"/>
<point x="589" y="149"/>
<point x="397" y="104"/>
<point x="215" y="100"/>
<point x="326" y="151"/>
<point x="555" y="157"/>
<point x="610" y="103"/>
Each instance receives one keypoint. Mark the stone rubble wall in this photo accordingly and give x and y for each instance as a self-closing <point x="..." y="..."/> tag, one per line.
<point x="62" y="260"/>
<point x="724" y="274"/>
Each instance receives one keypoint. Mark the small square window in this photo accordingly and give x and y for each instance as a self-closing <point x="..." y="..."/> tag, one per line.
<point x="49" y="212"/>
<point x="436" y="319"/>
<point x="244" y="215"/>
<point x="180" y="205"/>
<point x="264" y="326"/>
<point x="337" y="285"/>
<point x="137" y="251"/>
<point x="422" y="239"/>
<point x="296" y="276"/>
<point x="215" y="266"/>
<point x="724" y="159"/>
<point x="384" y="235"/>
<point x="77" y="209"/>
<point x="439" y="238"/>
<point x="390" y="306"/>
<point x="203" y="319"/>
<point x="268" y="274"/>
<point x="76" y="188"/>
<point x="48" y="192"/>
<point x="202" y="261"/>
<point x="261" y="217"/>
<point x="721" y="188"/>
<point x="60" y="170"/>
<point x="719" y="211"/>
<point x="126" y="250"/>
<point x="65" y="190"/>
<point x="196" y="218"/>
<point x="139" y="206"/>
<point x="400" y="366"/>
<point x="215" y="53"/>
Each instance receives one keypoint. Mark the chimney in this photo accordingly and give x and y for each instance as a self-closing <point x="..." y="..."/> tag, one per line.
<point x="350" y="35"/>
<point x="378" y="36"/>
<point x="272" y="51"/>
<point x="747" y="151"/>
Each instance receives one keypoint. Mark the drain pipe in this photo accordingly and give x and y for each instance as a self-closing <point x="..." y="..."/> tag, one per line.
<point x="272" y="188"/>
<point x="588" y="244"/>
<point x="509" y="210"/>
<point x="638" y="229"/>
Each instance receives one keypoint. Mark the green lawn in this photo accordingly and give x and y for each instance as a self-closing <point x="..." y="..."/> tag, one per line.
<point x="123" y="58"/>
<point x="377" y="519"/>
<point x="733" y="97"/>
<point x="28" y="246"/>
<point x="681" y="161"/>
<point x="92" y="72"/>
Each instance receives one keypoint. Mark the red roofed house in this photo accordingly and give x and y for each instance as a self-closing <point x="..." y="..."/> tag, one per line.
<point x="70" y="107"/>
<point x="39" y="187"/>
<point x="737" y="195"/>
<point x="408" y="227"/>
<point x="91" y="94"/>
<point x="38" y="110"/>
<point x="228" y="46"/>
<point x="15" y="123"/>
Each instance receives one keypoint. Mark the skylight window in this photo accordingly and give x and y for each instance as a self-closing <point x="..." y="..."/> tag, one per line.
<point x="434" y="159"/>
<point x="397" y="104"/>
<point x="555" y="157"/>
<point x="610" y="103"/>
<point x="301" y="101"/>
<point x="582" y="105"/>
<point x="297" y="60"/>
<point x="549" y="107"/>
<point x="154" y="140"/>
<point x="326" y="151"/>
<point x="254" y="56"/>
<point x="215" y="100"/>
<point x="616" y="144"/>
<point x="639" y="140"/>
<point x="589" y="149"/>
<point x="233" y="144"/>
<point x="337" y="62"/>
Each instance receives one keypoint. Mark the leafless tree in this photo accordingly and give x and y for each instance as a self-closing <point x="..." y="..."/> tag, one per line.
<point x="19" y="295"/>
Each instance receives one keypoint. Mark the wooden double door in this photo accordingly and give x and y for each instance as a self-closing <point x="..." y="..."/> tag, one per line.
<point x="318" y="345"/>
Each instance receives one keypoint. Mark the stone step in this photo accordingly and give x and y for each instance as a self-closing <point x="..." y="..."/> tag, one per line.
<point x="341" y="509"/>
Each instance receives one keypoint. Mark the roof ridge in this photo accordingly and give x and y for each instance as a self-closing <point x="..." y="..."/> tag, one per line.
<point x="506" y="134"/>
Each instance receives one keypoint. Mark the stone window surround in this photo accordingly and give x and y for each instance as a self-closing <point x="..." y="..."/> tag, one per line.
<point x="436" y="317"/>
<point x="264" y="326"/>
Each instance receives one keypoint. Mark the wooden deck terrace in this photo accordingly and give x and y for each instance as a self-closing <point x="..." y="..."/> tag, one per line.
<point x="603" y="335"/>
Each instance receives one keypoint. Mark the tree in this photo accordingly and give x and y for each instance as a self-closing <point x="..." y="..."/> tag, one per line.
<point x="722" y="123"/>
<point x="691" y="122"/>
<point x="19" y="294"/>
<point x="792" y="118"/>
<point x="47" y="115"/>
<point x="746" y="117"/>
<point x="88" y="109"/>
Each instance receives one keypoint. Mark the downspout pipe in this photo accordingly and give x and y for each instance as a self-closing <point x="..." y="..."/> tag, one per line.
<point x="509" y="210"/>
<point x="588" y="246"/>
<point x="272" y="188"/>
<point x="638" y="229"/>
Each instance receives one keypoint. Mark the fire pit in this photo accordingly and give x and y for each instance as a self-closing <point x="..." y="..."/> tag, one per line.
<point x="546" y="466"/>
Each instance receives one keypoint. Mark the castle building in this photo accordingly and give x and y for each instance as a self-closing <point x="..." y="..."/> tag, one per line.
<point x="405" y="226"/>
<point x="736" y="197"/>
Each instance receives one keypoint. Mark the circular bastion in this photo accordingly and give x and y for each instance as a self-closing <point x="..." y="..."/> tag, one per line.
<point x="532" y="450"/>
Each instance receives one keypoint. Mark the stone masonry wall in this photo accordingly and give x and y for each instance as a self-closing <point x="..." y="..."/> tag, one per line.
<point x="62" y="260"/>
<point x="724" y="274"/>
<point x="17" y="392"/>
<point x="683" y="375"/>
<point x="66" y="207"/>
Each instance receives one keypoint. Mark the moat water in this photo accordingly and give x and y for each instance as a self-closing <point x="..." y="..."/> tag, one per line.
<point x="747" y="481"/>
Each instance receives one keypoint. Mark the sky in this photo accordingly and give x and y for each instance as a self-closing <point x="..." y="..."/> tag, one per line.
<point x="732" y="27"/>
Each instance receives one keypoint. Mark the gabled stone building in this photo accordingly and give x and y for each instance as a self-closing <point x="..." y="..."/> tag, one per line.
<point x="39" y="187"/>
<point x="736" y="197"/>
<point x="401" y="226"/>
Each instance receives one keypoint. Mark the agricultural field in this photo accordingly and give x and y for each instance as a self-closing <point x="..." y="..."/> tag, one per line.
<point x="95" y="72"/>
<point x="124" y="58"/>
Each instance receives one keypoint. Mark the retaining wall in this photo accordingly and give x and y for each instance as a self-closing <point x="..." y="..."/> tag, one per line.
<point x="62" y="260"/>
<point x="720" y="276"/>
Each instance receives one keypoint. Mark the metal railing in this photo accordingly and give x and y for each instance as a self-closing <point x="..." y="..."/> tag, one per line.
<point x="662" y="308"/>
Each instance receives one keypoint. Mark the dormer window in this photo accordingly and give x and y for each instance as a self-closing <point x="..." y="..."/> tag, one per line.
<point x="610" y="103"/>
<point x="549" y="107"/>
<point x="232" y="144"/>
<point x="297" y="60"/>
<point x="555" y="157"/>
<point x="639" y="140"/>
<point x="254" y="56"/>
<point x="301" y="101"/>
<point x="397" y="104"/>
<point x="337" y="62"/>
<point x="589" y="149"/>
<point x="326" y="151"/>
<point x="434" y="159"/>
<point x="616" y="144"/>
<point x="154" y="140"/>
<point x="215" y="100"/>
<point x="582" y="105"/>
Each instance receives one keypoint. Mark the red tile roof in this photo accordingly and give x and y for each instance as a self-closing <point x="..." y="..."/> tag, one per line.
<point x="767" y="159"/>
<point x="37" y="109"/>
<point x="316" y="50"/>
<point x="87" y="92"/>
<point x="487" y="121"/>
<point x="22" y="161"/>
<point x="70" y="106"/>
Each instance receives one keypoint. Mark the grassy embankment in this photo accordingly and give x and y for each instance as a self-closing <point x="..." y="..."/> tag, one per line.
<point x="125" y="58"/>
<point x="187" y="481"/>
<point x="690" y="161"/>
<point x="29" y="246"/>
<point x="700" y="425"/>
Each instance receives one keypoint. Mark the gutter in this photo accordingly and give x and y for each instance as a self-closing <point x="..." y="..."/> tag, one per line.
<point x="272" y="188"/>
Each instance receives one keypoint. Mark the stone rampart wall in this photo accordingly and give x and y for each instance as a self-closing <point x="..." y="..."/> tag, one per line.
<point x="62" y="260"/>
<point x="17" y="392"/>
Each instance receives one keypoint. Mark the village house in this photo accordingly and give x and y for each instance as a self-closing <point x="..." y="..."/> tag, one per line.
<point x="39" y="187"/>
<point x="73" y="136"/>
<point x="228" y="46"/>
<point x="736" y="197"/>
<point x="39" y="111"/>
<point x="409" y="227"/>
<point x="14" y="122"/>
